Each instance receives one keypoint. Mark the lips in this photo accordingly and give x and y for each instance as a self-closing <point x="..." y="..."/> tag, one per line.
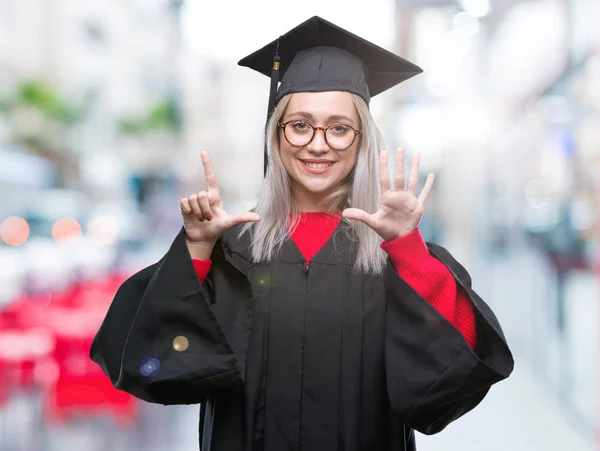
<point x="317" y="166"/>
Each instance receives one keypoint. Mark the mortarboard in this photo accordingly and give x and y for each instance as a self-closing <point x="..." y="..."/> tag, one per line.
<point x="320" y="56"/>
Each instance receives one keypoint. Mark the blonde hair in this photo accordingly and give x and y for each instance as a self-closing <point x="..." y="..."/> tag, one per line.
<point x="360" y="189"/>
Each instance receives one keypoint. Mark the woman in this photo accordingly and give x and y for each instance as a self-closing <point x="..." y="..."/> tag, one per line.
<point x="321" y="320"/>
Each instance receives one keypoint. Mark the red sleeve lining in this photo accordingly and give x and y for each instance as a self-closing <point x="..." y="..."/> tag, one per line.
<point x="433" y="281"/>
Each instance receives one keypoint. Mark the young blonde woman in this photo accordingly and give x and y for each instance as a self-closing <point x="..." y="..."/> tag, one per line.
<point x="320" y="320"/>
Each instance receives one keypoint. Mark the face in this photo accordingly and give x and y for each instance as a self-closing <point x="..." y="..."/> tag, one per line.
<point x="316" y="169"/>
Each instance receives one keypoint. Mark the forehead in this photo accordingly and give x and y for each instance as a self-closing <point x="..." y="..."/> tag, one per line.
<point x="323" y="104"/>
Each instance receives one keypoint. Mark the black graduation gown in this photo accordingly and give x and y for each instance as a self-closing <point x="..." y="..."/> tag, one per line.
<point x="316" y="358"/>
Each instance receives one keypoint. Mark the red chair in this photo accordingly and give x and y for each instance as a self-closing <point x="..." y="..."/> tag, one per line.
<point x="21" y="349"/>
<point x="44" y="342"/>
<point x="81" y="386"/>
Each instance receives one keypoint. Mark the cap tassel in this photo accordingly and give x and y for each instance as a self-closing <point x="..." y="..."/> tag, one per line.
<point x="272" y="98"/>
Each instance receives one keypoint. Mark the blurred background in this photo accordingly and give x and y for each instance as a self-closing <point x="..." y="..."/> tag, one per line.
<point x="106" y="105"/>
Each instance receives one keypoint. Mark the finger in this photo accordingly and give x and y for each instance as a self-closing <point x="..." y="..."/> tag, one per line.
<point x="211" y="179"/>
<point x="213" y="197"/>
<point x="399" y="172"/>
<point x="241" y="218"/>
<point x="357" y="214"/>
<point x="427" y="188"/>
<point x="384" y="173"/>
<point x="184" y="204"/>
<point x="204" y="205"/>
<point x="193" y="199"/>
<point x="413" y="177"/>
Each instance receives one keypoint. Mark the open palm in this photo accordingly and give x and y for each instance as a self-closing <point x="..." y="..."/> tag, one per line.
<point x="400" y="210"/>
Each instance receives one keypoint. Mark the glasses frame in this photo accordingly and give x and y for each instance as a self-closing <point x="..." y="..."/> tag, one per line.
<point x="283" y="125"/>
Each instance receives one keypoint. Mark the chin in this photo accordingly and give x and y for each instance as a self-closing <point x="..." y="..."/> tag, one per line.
<point x="314" y="183"/>
<point x="317" y="188"/>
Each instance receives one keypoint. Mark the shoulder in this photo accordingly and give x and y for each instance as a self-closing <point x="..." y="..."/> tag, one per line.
<point x="235" y="248"/>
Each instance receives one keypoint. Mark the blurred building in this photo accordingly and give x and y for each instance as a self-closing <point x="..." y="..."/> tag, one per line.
<point x="223" y="105"/>
<point x="509" y="118"/>
<point x="118" y="60"/>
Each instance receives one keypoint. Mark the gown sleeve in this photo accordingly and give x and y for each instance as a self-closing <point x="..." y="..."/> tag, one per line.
<point x="433" y="375"/>
<point x="160" y="340"/>
<point x="433" y="281"/>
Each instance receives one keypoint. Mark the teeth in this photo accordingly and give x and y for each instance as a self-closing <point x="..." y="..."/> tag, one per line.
<point x="318" y="165"/>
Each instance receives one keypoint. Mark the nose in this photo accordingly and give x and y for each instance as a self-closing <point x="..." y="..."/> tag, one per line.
<point x="318" y="144"/>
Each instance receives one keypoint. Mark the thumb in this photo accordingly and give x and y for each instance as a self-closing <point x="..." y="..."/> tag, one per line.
<point x="358" y="215"/>
<point x="244" y="217"/>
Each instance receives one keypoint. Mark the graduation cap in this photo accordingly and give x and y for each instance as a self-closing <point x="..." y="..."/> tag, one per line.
<point x="317" y="55"/>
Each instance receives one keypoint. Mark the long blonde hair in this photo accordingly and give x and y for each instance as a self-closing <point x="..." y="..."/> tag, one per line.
<point x="360" y="189"/>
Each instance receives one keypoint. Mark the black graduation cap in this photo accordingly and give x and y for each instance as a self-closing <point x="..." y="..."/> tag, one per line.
<point x="317" y="55"/>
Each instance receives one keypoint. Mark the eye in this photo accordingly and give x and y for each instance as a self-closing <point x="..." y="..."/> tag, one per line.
<point x="300" y="126"/>
<point x="340" y="129"/>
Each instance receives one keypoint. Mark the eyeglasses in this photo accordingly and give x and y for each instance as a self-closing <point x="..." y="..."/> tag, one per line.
<point x="301" y="133"/>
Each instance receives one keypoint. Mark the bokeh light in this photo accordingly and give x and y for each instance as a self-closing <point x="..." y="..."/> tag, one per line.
<point x="103" y="231"/>
<point x="14" y="231"/>
<point x="66" y="230"/>
<point x="180" y="343"/>
<point x="537" y="193"/>
<point x="476" y="8"/>
<point x="150" y="367"/>
<point x="466" y="24"/>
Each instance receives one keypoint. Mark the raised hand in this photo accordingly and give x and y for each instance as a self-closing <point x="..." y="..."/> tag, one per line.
<point x="400" y="211"/>
<point x="204" y="218"/>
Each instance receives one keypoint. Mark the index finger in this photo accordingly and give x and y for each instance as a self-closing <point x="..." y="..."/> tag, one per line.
<point x="211" y="179"/>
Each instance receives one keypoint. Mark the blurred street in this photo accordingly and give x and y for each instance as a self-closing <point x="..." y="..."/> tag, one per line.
<point x="519" y="415"/>
<point x="524" y="412"/>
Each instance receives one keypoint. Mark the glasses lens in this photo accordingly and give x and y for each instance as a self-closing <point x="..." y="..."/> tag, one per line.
<point x="340" y="136"/>
<point x="298" y="133"/>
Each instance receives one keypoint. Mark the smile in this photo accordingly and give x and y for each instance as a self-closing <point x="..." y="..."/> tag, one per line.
<point x="317" y="167"/>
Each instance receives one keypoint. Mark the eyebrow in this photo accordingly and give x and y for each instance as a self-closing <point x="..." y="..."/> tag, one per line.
<point x="333" y="117"/>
